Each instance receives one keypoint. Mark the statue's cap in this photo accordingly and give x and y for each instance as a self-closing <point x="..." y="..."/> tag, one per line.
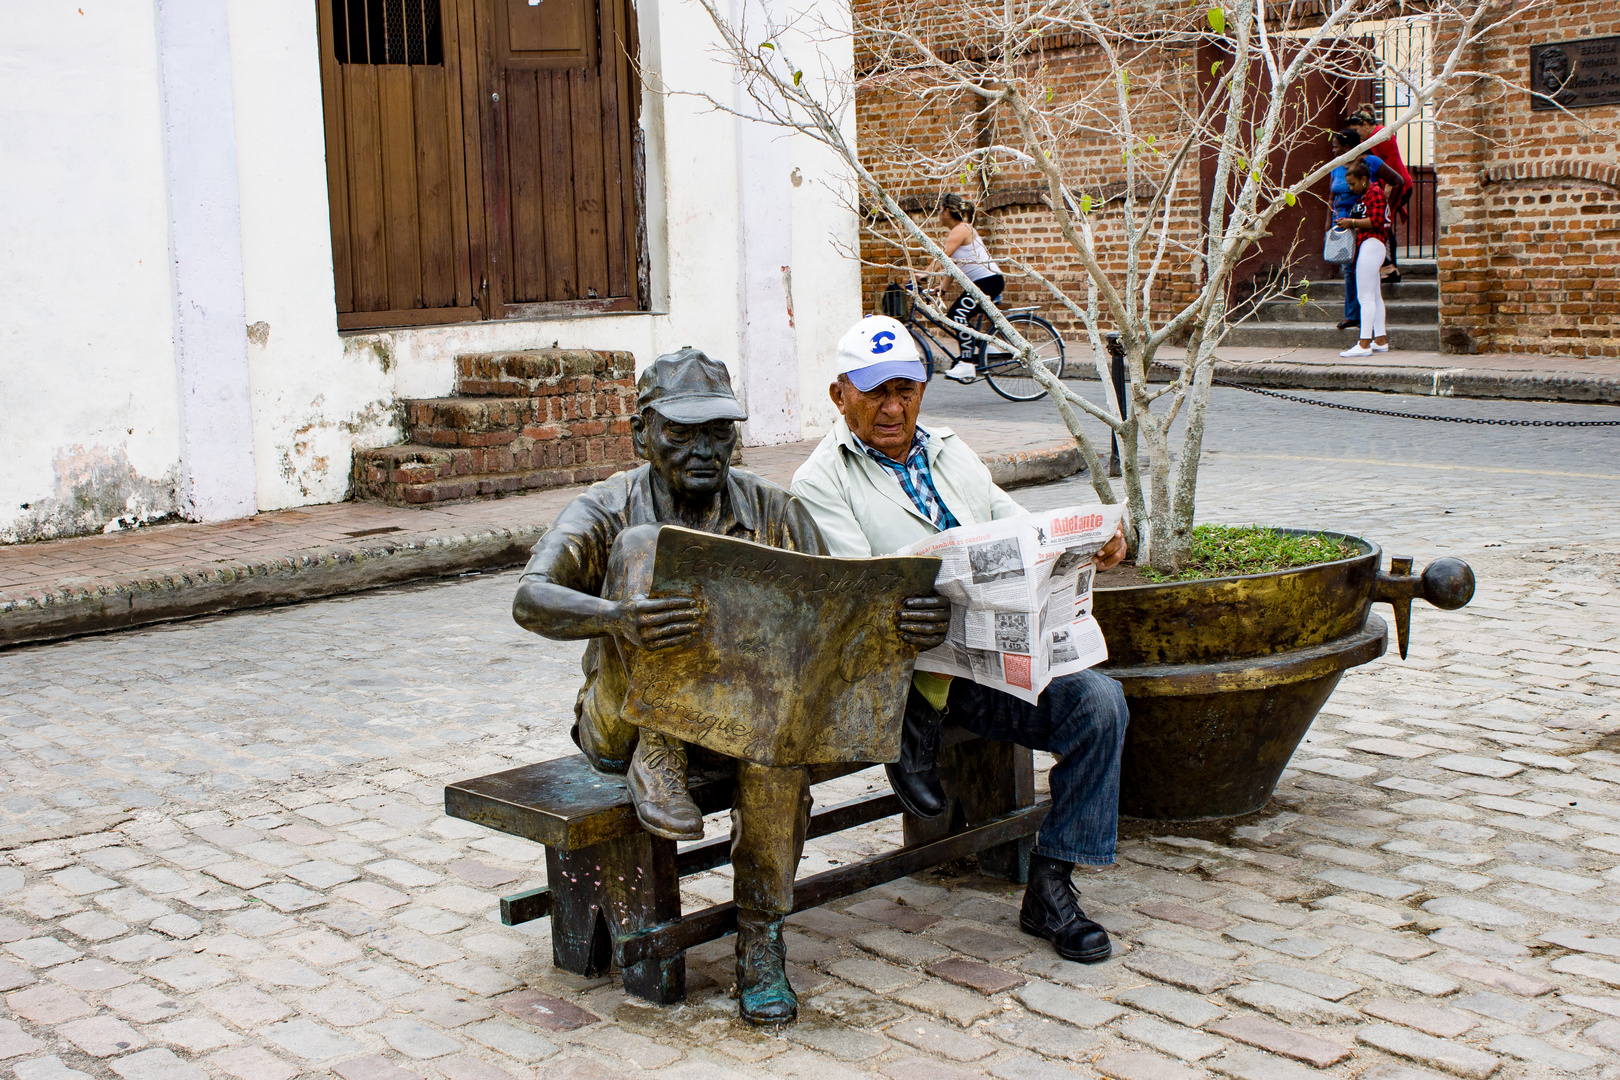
<point x="687" y="387"/>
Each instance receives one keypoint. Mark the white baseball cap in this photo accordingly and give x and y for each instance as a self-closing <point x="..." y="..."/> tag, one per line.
<point x="876" y="350"/>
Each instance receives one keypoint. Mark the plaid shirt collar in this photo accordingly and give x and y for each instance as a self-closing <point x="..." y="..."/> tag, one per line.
<point x="915" y="477"/>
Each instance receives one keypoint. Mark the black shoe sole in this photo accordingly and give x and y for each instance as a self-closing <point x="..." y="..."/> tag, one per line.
<point x="911" y="809"/>
<point x="1095" y="956"/>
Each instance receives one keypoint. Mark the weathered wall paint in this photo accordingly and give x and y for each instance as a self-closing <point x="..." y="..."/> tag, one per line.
<point x="88" y="396"/>
<point x="315" y="396"/>
<point x="216" y="476"/>
<point x="88" y="414"/>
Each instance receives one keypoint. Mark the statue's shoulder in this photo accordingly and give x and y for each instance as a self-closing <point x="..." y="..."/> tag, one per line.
<point x="613" y="496"/>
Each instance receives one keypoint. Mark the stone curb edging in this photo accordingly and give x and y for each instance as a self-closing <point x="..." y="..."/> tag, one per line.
<point x="212" y="588"/>
<point x="1432" y="382"/>
<point x="172" y="593"/>
<point x="1040" y="466"/>
<point x="1463" y="382"/>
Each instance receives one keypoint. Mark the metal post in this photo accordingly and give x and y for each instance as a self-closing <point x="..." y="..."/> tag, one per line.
<point x="1116" y="352"/>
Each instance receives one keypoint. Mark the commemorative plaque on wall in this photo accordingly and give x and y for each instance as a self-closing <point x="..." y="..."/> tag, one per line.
<point x="1574" y="74"/>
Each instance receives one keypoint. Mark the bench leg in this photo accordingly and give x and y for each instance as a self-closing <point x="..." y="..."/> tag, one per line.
<point x="983" y="779"/>
<point x="616" y="888"/>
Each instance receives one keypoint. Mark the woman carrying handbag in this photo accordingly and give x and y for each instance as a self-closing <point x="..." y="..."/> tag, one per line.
<point x="1370" y="219"/>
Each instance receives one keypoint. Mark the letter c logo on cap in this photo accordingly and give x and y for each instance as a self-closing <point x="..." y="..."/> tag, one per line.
<point x="882" y="341"/>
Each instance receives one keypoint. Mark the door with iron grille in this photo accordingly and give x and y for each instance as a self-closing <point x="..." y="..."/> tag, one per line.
<point x="481" y="159"/>
<point x="401" y="162"/>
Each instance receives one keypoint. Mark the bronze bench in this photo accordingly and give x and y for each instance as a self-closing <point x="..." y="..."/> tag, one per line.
<point x="613" y="889"/>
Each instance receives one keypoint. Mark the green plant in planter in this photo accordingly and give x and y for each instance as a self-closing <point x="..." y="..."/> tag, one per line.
<point x="1224" y="550"/>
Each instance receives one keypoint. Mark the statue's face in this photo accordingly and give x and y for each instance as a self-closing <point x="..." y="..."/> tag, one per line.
<point x="691" y="459"/>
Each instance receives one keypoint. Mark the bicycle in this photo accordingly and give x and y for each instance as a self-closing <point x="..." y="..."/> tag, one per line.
<point x="996" y="360"/>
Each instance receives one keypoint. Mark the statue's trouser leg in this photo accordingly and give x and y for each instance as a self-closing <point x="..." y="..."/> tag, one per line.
<point x="607" y="739"/>
<point x="769" y="817"/>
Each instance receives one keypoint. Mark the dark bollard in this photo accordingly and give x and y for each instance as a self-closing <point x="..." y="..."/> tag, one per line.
<point x="1116" y="353"/>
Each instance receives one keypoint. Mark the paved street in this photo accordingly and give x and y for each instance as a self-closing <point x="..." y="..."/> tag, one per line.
<point x="225" y="854"/>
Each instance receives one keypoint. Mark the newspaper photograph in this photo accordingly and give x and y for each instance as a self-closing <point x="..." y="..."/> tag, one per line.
<point x="1020" y="592"/>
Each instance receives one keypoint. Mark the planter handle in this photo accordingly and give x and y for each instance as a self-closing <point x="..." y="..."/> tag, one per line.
<point x="1446" y="583"/>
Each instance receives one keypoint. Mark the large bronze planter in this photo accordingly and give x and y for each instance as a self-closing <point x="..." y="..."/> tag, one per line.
<point x="1224" y="676"/>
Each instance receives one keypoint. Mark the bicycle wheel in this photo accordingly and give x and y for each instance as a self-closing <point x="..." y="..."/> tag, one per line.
<point x="924" y="353"/>
<point x="1008" y="376"/>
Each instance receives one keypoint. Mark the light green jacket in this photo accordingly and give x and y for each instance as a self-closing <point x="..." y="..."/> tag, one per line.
<point x="862" y="510"/>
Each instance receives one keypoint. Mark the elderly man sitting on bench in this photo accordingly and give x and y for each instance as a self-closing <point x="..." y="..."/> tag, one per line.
<point x="686" y="429"/>
<point x="879" y="482"/>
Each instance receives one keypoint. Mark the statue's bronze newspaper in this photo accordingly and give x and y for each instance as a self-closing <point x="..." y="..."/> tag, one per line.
<point x="798" y="660"/>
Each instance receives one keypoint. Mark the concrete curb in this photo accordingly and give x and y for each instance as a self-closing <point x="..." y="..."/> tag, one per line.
<point x="171" y="593"/>
<point x="1434" y="382"/>
<point x="1035" y="466"/>
<point x="209" y="589"/>
<point x="1462" y="382"/>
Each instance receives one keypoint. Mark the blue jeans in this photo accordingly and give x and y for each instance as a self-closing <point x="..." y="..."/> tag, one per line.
<point x="1081" y="719"/>
<point x="1352" y="302"/>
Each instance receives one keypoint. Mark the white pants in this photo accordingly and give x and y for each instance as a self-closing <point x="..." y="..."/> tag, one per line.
<point x="1369" y="260"/>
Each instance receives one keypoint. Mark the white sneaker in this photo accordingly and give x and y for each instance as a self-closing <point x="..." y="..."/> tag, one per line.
<point x="1380" y="348"/>
<point x="963" y="372"/>
<point x="1356" y="350"/>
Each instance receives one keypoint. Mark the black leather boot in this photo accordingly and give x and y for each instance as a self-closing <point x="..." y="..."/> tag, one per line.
<point x="915" y="777"/>
<point x="1052" y="911"/>
<point x="764" y="996"/>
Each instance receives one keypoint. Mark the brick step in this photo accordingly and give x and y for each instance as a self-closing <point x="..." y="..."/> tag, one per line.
<point x="496" y="421"/>
<point x="543" y="372"/>
<point x="1262" y="335"/>
<point x="1332" y="291"/>
<point x="413" y="474"/>
<point x="1399" y="312"/>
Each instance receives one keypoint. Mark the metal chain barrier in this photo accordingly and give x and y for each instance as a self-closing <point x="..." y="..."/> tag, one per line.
<point x="1419" y="416"/>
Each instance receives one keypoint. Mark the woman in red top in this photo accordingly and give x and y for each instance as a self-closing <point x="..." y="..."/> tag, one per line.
<point x="1364" y="122"/>
<point x="1370" y="219"/>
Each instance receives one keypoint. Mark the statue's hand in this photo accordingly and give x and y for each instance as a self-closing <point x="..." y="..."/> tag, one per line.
<point x="658" y="624"/>
<point x="924" y="621"/>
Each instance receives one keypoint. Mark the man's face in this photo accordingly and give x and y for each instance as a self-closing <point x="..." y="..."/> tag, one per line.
<point x="691" y="459"/>
<point x="884" y="418"/>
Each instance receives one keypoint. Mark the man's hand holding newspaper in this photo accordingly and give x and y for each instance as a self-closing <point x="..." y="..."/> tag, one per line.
<point x="1020" y="593"/>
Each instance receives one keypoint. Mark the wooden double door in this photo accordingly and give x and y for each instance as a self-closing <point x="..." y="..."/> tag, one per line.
<point x="482" y="159"/>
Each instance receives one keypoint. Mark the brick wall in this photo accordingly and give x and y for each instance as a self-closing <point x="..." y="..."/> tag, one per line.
<point x="1529" y="244"/>
<point x="1529" y="239"/>
<point x="524" y="420"/>
<point x="894" y="128"/>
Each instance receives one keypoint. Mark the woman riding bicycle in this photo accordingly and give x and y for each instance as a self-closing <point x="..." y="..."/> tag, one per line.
<point x="966" y="249"/>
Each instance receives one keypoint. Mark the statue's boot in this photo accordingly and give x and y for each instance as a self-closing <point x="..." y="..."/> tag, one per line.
<point x="657" y="783"/>
<point x="1052" y="911"/>
<point x="763" y="994"/>
<point x="915" y="777"/>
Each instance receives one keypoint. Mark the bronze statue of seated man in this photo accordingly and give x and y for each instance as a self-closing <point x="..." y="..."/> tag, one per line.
<point x="686" y="428"/>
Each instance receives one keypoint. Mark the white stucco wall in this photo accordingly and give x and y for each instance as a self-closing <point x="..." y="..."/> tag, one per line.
<point x="314" y="399"/>
<point x="88" y="417"/>
<point x="88" y="386"/>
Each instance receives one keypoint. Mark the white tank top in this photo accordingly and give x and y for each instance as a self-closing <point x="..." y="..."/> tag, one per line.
<point x="974" y="258"/>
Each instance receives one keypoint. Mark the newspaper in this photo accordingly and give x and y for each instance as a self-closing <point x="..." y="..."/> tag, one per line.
<point x="1020" y="592"/>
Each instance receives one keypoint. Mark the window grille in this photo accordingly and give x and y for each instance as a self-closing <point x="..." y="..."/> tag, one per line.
<point x="387" y="32"/>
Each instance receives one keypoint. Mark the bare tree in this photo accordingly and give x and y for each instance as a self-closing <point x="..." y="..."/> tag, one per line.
<point x="1106" y="111"/>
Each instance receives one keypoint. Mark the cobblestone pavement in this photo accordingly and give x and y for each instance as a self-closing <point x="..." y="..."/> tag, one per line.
<point x="224" y="853"/>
